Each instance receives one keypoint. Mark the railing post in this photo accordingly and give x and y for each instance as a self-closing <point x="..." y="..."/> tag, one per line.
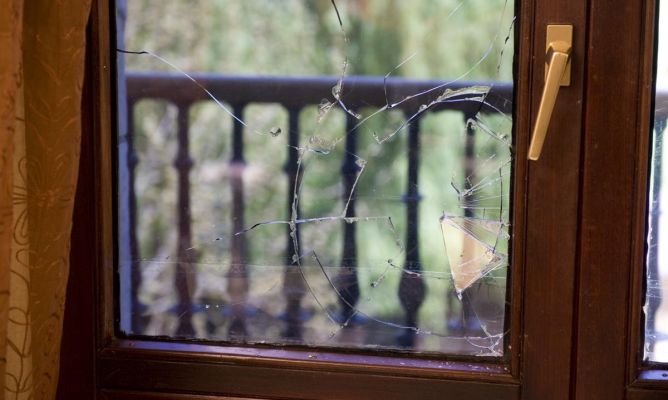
<point x="237" y="276"/>
<point x="185" y="254"/>
<point x="347" y="281"/>
<point x="412" y="288"/>
<point x="293" y="284"/>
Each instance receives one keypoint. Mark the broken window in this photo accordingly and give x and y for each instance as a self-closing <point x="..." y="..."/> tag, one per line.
<point x="656" y="306"/>
<point x="317" y="173"/>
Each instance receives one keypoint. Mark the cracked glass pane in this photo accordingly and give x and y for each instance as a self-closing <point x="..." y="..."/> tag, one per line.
<point x="656" y="304"/>
<point x="316" y="173"/>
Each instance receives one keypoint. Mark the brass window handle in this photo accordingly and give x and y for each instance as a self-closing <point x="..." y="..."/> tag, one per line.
<point x="558" y="50"/>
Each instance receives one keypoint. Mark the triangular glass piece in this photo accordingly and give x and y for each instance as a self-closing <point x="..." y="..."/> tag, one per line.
<point x="471" y="248"/>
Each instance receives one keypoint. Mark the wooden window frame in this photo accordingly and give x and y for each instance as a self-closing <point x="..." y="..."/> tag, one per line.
<point x="98" y="364"/>
<point x="608" y="357"/>
<point x="126" y="365"/>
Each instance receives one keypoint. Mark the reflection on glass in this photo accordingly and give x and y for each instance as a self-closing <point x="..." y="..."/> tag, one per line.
<point x="332" y="174"/>
<point x="656" y="302"/>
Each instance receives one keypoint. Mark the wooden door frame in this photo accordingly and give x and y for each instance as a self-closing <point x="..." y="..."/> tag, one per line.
<point x="542" y="310"/>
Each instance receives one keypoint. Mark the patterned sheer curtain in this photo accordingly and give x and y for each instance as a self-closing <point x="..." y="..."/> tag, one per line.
<point x="42" y="46"/>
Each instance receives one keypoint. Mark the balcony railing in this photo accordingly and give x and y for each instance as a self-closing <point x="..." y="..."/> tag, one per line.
<point x="294" y="94"/>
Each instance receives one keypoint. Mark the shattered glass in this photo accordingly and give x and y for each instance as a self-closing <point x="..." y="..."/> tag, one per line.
<point x="316" y="173"/>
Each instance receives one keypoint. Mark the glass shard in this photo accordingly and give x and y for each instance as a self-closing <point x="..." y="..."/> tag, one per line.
<point x="471" y="248"/>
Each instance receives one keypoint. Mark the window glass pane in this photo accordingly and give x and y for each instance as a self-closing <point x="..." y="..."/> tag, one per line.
<point x="656" y="304"/>
<point x="316" y="172"/>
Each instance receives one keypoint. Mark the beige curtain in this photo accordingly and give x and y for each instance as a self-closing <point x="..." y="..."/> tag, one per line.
<point x="42" y="46"/>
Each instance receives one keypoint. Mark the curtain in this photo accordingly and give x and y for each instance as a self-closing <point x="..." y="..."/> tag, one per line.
<point x="42" y="45"/>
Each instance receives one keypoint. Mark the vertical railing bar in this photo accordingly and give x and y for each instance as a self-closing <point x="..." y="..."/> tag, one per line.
<point x="347" y="280"/>
<point x="237" y="283"/>
<point x="238" y="134"/>
<point x="412" y="288"/>
<point x="293" y="285"/>
<point x="185" y="254"/>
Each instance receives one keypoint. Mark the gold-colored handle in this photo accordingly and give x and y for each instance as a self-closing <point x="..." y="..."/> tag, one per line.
<point x="559" y="43"/>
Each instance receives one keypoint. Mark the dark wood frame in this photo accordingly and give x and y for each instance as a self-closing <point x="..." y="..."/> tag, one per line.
<point x="613" y="238"/>
<point x="559" y="307"/>
<point x="613" y="227"/>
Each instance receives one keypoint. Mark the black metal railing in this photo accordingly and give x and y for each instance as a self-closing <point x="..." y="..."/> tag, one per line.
<point x="293" y="94"/>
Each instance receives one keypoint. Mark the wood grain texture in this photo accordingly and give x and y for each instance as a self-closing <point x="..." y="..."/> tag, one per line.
<point x="313" y="359"/>
<point x="614" y="182"/>
<point x="645" y="394"/>
<point x="552" y="220"/>
<point x="257" y="381"/>
<point x="134" y="395"/>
